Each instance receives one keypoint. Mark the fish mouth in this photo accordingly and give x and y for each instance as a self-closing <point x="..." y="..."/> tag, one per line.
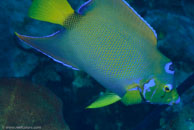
<point x="175" y="102"/>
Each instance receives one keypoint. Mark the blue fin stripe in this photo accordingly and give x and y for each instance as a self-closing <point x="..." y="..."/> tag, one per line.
<point x="83" y="5"/>
<point x="141" y="18"/>
<point x="69" y="66"/>
<point x="86" y="3"/>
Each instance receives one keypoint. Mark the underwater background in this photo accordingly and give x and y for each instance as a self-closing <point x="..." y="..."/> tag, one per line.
<point x="38" y="93"/>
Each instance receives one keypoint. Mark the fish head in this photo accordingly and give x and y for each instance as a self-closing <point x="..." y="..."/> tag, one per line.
<point x="160" y="89"/>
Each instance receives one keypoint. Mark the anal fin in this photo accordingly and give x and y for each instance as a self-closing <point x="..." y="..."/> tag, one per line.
<point x="52" y="46"/>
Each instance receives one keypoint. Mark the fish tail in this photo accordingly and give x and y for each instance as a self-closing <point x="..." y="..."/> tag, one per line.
<point x="53" y="11"/>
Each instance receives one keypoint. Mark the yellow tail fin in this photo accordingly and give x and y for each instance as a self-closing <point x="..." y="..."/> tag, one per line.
<point x="53" y="11"/>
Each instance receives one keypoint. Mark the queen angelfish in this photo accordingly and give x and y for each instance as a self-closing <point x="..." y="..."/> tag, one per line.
<point x="108" y="40"/>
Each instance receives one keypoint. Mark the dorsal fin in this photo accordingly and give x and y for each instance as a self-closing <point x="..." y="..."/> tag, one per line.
<point x="120" y="11"/>
<point x="84" y="6"/>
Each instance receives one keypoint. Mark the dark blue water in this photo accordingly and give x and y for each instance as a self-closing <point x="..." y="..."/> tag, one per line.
<point x="173" y="21"/>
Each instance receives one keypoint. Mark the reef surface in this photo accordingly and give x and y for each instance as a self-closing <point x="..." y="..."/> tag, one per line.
<point x="174" y="23"/>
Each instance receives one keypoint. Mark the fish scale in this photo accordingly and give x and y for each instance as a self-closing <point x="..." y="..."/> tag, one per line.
<point x="108" y="40"/>
<point x="106" y="51"/>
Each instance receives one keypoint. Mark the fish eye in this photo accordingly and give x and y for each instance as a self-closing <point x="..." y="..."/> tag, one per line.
<point x="168" y="88"/>
<point x="169" y="68"/>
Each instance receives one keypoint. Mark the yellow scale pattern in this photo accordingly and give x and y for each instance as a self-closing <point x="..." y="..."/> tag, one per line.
<point x="116" y="49"/>
<point x="112" y="51"/>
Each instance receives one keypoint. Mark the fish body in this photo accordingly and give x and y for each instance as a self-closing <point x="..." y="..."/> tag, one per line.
<point x="113" y="56"/>
<point x="112" y="43"/>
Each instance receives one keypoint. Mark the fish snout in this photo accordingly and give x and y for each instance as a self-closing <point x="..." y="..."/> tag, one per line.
<point x="175" y="102"/>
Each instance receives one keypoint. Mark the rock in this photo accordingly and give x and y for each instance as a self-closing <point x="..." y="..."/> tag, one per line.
<point x="175" y="40"/>
<point x="26" y="105"/>
<point x="81" y="80"/>
<point x="188" y="6"/>
<point x="24" y="63"/>
<point x="45" y="75"/>
<point x="180" y="116"/>
<point x="171" y="19"/>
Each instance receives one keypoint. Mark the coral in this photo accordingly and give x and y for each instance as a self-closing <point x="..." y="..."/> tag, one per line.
<point x="46" y="74"/>
<point x="180" y="116"/>
<point x="173" y="21"/>
<point x="24" y="63"/>
<point x="81" y="80"/>
<point x="26" y="105"/>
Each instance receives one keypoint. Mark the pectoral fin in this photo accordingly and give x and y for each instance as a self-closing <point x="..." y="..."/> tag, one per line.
<point x="105" y="100"/>
<point x="132" y="96"/>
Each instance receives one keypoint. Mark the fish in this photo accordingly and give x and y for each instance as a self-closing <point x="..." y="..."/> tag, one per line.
<point x="112" y="43"/>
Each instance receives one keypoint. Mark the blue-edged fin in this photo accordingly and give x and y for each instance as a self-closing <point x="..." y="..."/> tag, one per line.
<point x="120" y="11"/>
<point x="105" y="100"/>
<point x="84" y="7"/>
<point x="132" y="96"/>
<point x="52" y="46"/>
<point x="53" y="11"/>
